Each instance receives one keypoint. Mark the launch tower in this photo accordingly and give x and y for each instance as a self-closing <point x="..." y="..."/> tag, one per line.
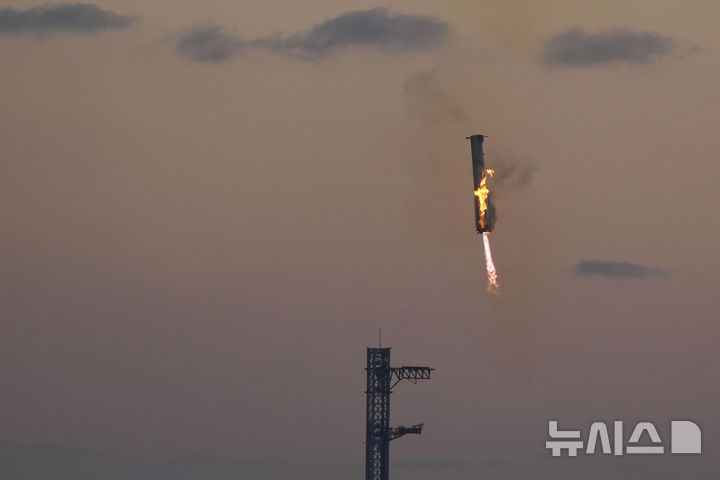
<point x="381" y="379"/>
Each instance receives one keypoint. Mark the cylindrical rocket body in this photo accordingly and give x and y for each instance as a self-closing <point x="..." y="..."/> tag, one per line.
<point x="478" y="164"/>
<point x="478" y="157"/>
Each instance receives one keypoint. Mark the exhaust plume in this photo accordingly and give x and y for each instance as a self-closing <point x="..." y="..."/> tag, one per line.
<point x="493" y="286"/>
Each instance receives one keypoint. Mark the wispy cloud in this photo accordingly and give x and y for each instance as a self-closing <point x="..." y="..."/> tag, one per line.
<point x="616" y="269"/>
<point x="377" y="28"/>
<point x="62" y="17"/>
<point x="577" y="48"/>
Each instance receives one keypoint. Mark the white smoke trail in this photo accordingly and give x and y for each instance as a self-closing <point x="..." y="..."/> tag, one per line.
<point x="493" y="286"/>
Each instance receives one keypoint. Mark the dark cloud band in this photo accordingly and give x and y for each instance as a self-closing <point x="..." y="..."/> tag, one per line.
<point x="209" y="44"/>
<point x="63" y="17"/>
<point x="376" y="28"/>
<point x="616" y="269"/>
<point x="577" y="48"/>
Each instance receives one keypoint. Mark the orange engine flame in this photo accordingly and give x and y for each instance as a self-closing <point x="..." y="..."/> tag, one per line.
<point x="482" y="193"/>
<point x="493" y="286"/>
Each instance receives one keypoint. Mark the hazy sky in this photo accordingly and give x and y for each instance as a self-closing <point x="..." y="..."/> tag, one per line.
<point x="208" y="209"/>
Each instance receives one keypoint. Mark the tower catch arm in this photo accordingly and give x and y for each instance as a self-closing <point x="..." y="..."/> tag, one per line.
<point x="397" y="432"/>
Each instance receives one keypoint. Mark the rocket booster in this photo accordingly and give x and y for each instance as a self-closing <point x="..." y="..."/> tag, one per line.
<point x="484" y="220"/>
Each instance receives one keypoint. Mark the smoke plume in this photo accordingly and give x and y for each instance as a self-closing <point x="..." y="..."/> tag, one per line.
<point x="510" y="173"/>
<point x="428" y="100"/>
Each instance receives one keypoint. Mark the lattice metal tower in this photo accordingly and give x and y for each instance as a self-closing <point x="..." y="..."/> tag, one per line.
<point x="381" y="378"/>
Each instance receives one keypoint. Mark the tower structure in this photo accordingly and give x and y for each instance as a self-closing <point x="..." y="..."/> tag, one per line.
<point x="381" y="379"/>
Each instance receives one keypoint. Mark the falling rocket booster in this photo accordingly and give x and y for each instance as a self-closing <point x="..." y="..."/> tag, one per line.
<point x="484" y="209"/>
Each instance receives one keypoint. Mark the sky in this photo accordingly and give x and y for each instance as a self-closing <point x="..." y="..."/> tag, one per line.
<point x="208" y="209"/>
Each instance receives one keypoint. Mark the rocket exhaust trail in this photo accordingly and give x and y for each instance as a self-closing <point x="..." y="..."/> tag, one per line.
<point x="493" y="286"/>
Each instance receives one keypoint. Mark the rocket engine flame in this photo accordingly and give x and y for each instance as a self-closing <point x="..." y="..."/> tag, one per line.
<point x="482" y="193"/>
<point x="493" y="286"/>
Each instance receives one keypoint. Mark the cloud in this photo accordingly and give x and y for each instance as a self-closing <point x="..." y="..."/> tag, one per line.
<point x="209" y="44"/>
<point x="577" y="48"/>
<point x="62" y="17"/>
<point x="616" y="269"/>
<point x="376" y="28"/>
